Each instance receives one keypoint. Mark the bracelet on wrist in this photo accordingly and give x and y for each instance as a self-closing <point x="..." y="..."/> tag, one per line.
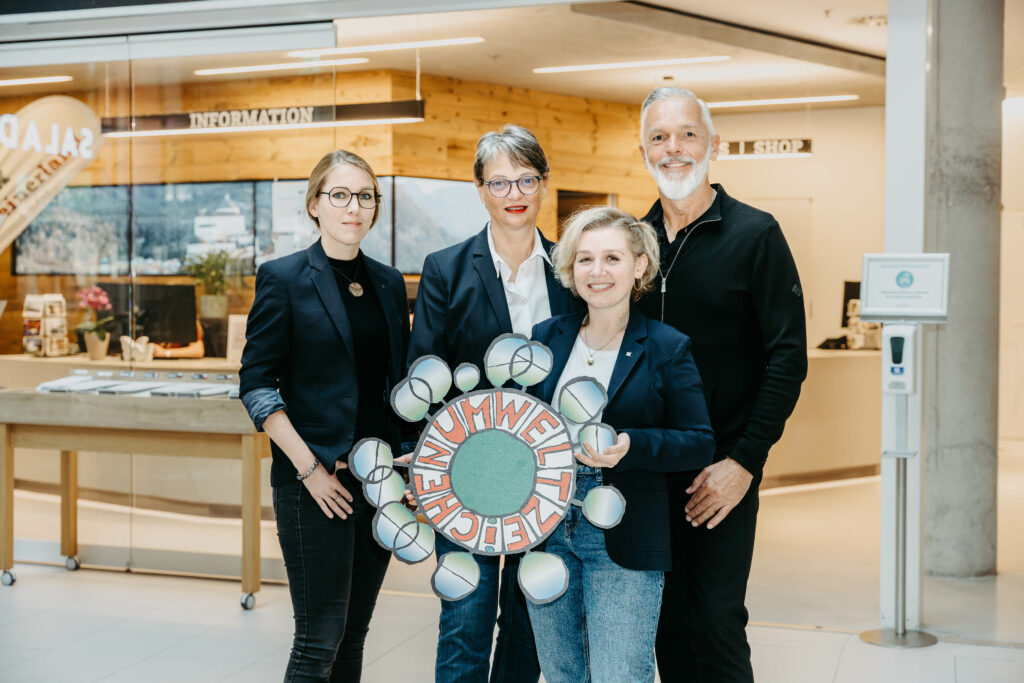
<point x="308" y="472"/>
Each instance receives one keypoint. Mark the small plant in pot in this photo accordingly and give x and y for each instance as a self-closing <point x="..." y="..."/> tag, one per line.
<point x="211" y="271"/>
<point x="94" y="329"/>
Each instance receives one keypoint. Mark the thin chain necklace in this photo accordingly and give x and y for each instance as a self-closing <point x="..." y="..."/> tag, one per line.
<point x="354" y="288"/>
<point x="586" y="344"/>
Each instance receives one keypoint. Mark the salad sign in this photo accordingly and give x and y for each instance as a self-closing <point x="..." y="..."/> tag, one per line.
<point x="42" y="147"/>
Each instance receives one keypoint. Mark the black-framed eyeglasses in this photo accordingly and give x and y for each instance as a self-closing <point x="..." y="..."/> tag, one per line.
<point x="528" y="184"/>
<point x="341" y="197"/>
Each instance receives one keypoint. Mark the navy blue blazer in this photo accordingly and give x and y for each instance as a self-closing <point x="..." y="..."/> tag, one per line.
<point x="654" y="396"/>
<point x="299" y="342"/>
<point x="461" y="304"/>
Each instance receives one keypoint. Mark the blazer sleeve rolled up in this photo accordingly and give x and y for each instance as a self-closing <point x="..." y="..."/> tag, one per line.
<point x="267" y="347"/>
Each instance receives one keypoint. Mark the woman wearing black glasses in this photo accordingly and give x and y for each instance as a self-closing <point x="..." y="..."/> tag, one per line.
<point x="325" y="341"/>
<point x="496" y="282"/>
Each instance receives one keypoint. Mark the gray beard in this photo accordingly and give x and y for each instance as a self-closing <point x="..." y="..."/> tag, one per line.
<point x="677" y="190"/>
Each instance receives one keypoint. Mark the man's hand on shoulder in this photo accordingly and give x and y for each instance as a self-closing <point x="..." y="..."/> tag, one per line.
<point x="716" y="491"/>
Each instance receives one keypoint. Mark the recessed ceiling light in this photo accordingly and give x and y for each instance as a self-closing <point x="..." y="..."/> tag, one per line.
<point x="385" y="47"/>
<point x="280" y="67"/>
<point x="40" y="79"/>
<point x="627" y="65"/>
<point x="782" y="100"/>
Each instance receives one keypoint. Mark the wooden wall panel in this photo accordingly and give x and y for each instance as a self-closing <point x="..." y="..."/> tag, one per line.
<point x="591" y="145"/>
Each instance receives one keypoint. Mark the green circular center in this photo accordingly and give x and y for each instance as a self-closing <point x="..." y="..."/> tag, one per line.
<point x="493" y="473"/>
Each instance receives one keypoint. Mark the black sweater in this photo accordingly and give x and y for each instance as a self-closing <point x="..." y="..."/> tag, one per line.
<point x="732" y="287"/>
<point x="370" y="335"/>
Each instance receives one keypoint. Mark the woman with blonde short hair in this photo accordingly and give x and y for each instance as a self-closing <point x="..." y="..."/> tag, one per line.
<point x="603" y="627"/>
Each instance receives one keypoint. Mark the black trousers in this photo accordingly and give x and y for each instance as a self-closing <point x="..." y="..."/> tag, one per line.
<point x="702" y="632"/>
<point x="335" y="570"/>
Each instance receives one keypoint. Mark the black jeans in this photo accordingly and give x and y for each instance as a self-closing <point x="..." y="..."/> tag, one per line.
<point x="702" y="632"/>
<point x="335" y="570"/>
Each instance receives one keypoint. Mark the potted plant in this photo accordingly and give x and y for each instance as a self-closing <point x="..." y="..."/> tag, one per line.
<point x="94" y="329"/>
<point x="211" y="271"/>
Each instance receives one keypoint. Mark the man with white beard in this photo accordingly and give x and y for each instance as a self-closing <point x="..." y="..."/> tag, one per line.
<point x="728" y="281"/>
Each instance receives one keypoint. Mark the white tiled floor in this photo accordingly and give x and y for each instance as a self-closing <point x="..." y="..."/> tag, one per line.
<point x="813" y="589"/>
<point x="115" y="627"/>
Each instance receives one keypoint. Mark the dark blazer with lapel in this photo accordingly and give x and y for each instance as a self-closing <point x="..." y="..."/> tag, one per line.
<point x="461" y="304"/>
<point x="654" y="396"/>
<point x="299" y="341"/>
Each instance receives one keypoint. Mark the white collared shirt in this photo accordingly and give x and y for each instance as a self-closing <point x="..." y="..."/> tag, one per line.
<point x="527" y="297"/>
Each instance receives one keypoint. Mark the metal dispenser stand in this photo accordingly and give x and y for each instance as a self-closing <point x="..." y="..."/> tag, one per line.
<point x="902" y="291"/>
<point x="899" y="367"/>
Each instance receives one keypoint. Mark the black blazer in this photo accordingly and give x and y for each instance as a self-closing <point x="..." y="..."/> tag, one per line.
<point x="655" y="397"/>
<point x="461" y="304"/>
<point x="298" y="341"/>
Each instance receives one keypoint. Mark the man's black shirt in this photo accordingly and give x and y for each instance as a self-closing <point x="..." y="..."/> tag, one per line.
<point x="731" y="285"/>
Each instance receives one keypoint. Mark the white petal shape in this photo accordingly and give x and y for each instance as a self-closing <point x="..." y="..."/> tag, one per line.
<point x="368" y="455"/>
<point x="540" y="361"/>
<point x="394" y="526"/>
<point x="604" y="506"/>
<point x="467" y="376"/>
<point x="598" y="435"/>
<point x="543" y="577"/>
<point x="457" y="575"/>
<point x="435" y="373"/>
<point x="498" y="360"/>
<point x="419" y="548"/>
<point x="383" y="486"/>
<point x="582" y="399"/>
<point x="411" y="399"/>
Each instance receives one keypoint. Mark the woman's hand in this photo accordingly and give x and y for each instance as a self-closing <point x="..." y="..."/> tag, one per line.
<point x="327" y="491"/>
<point x="611" y="455"/>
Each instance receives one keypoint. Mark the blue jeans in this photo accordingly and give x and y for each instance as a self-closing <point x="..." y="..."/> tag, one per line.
<point x="602" y="629"/>
<point x="335" y="570"/>
<point x="467" y="627"/>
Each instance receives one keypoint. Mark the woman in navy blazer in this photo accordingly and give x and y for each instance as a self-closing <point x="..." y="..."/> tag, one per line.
<point x="496" y="282"/>
<point x="603" y="627"/>
<point x="325" y="342"/>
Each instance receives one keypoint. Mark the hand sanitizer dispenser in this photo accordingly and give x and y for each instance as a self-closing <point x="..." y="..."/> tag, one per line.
<point x="898" y="348"/>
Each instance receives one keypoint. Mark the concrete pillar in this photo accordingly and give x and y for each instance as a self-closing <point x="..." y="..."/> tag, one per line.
<point x="962" y="217"/>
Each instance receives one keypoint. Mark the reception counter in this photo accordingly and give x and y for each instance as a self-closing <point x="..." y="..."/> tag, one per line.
<point x="21" y="371"/>
<point x="836" y="429"/>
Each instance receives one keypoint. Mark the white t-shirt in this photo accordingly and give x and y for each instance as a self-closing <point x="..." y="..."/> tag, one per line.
<point x="527" y="297"/>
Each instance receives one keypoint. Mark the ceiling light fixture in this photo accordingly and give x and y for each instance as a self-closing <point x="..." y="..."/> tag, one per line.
<point x="385" y="47"/>
<point x="783" y="100"/>
<point x="628" y="65"/>
<point x="39" y="79"/>
<point x="279" y="67"/>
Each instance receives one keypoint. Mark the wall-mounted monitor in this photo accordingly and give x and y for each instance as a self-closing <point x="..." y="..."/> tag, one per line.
<point x="164" y="313"/>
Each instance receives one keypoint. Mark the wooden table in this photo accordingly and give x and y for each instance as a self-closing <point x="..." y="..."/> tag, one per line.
<point x="194" y="427"/>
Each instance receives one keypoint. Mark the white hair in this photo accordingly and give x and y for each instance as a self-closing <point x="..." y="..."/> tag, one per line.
<point x="669" y="92"/>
